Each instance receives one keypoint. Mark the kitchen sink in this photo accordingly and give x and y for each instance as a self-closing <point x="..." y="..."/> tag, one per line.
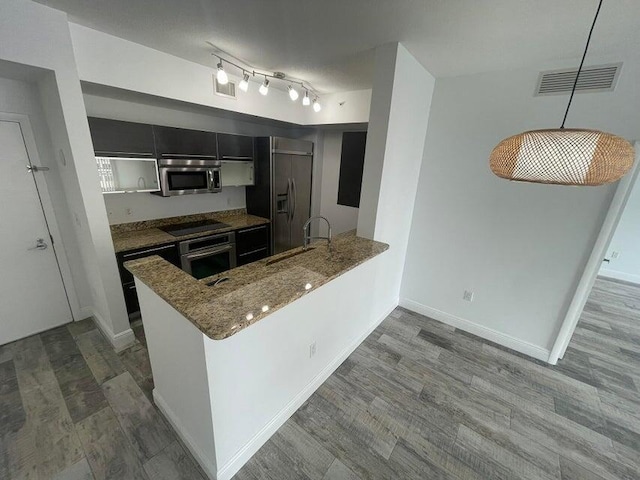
<point x="287" y="256"/>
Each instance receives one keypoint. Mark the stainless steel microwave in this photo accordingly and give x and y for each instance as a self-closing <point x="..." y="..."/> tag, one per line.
<point x="188" y="176"/>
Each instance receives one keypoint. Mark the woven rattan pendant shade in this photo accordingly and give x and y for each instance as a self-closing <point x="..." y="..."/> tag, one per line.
<point x="563" y="157"/>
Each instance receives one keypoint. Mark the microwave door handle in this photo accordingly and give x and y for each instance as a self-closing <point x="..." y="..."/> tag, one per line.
<point x="210" y="178"/>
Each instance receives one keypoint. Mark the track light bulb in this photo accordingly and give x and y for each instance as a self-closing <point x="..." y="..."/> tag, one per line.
<point x="244" y="83"/>
<point x="306" y="101"/>
<point x="293" y="93"/>
<point x="264" y="88"/>
<point x="316" y="106"/>
<point x="222" y="77"/>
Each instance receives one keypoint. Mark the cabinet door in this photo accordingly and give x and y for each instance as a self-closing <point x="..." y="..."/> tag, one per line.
<point x="121" y="139"/>
<point x="183" y="143"/>
<point x="169" y="252"/>
<point x="235" y="147"/>
<point x="252" y="244"/>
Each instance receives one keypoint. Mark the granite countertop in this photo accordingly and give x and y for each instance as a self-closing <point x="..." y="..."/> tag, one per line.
<point x="251" y="292"/>
<point x="134" y="235"/>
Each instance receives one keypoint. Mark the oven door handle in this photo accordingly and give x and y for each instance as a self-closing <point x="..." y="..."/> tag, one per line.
<point x="208" y="253"/>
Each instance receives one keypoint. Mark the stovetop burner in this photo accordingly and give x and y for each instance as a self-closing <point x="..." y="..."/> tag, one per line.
<point x="179" y="229"/>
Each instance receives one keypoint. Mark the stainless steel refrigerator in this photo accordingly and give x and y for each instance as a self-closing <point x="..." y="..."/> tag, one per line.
<point x="282" y="190"/>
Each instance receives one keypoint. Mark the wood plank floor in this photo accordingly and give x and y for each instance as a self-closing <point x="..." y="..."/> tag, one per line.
<point x="417" y="399"/>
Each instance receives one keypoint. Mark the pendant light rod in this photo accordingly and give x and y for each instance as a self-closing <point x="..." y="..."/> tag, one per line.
<point x="584" y="55"/>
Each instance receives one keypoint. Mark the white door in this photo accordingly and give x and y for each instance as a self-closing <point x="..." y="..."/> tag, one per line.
<point x="32" y="296"/>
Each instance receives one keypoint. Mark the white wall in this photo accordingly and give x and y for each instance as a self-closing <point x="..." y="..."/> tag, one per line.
<point x="118" y="105"/>
<point x="521" y="248"/>
<point x="258" y="377"/>
<point x="107" y="60"/>
<point x="37" y="36"/>
<point x="400" y="105"/>
<point x="20" y="96"/>
<point x="342" y="218"/>
<point x="626" y="243"/>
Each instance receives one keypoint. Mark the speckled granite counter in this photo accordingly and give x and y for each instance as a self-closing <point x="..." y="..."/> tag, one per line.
<point x="130" y="236"/>
<point x="253" y="291"/>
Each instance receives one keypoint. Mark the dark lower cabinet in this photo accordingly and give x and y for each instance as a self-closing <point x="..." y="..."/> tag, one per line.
<point x="169" y="252"/>
<point x="252" y="244"/>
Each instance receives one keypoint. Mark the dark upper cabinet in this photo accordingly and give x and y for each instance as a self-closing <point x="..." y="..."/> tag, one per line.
<point x="183" y="143"/>
<point x="121" y="139"/>
<point x="235" y="147"/>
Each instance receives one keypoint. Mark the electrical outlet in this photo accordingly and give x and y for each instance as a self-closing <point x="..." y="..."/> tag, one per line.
<point x="468" y="296"/>
<point x="128" y="211"/>
<point x="615" y="254"/>
<point x="312" y="349"/>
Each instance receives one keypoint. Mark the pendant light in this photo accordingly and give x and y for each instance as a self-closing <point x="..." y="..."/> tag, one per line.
<point x="564" y="156"/>
<point x="222" y="77"/>
<point x="264" y="88"/>
<point x="306" y="101"/>
<point x="293" y="93"/>
<point x="244" y="83"/>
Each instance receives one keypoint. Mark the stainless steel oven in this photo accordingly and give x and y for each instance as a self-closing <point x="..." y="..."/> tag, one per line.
<point x="179" y="176"/>
<point x="205" y="256"/>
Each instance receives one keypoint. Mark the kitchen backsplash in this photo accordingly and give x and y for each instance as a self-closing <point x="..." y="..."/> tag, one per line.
<point x="136" y="207"/>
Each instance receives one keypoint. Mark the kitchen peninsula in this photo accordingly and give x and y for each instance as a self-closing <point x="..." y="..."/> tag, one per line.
<point x="235" y="354"/>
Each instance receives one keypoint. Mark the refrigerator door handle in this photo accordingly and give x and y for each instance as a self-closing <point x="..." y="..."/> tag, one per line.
<point x="289" y="191"/>
<point x="294" y="193"/>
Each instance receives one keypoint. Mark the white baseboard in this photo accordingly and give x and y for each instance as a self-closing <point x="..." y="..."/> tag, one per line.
<point x="200" y="457"/>
<point x="500" y="338"/>
<point x="228" y="470"/>
<point x="614" y="274"/>
<point x="119" y="341"/>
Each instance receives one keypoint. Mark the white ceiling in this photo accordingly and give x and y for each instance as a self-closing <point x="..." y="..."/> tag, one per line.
<point x="329" y="42"/>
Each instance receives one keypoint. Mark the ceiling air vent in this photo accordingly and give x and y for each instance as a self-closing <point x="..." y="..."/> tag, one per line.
<point x="601" y="78"/>
<point x="227" y="90"/>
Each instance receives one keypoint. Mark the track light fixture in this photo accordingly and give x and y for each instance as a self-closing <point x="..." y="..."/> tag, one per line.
<point x="264" y="88"/>
<point x="222" y="77"/>
<point x="244" y="83"/>
<point x="247" y="70"/>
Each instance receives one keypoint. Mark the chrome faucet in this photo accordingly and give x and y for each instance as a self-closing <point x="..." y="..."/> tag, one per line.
<point x="307" y="238"/>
